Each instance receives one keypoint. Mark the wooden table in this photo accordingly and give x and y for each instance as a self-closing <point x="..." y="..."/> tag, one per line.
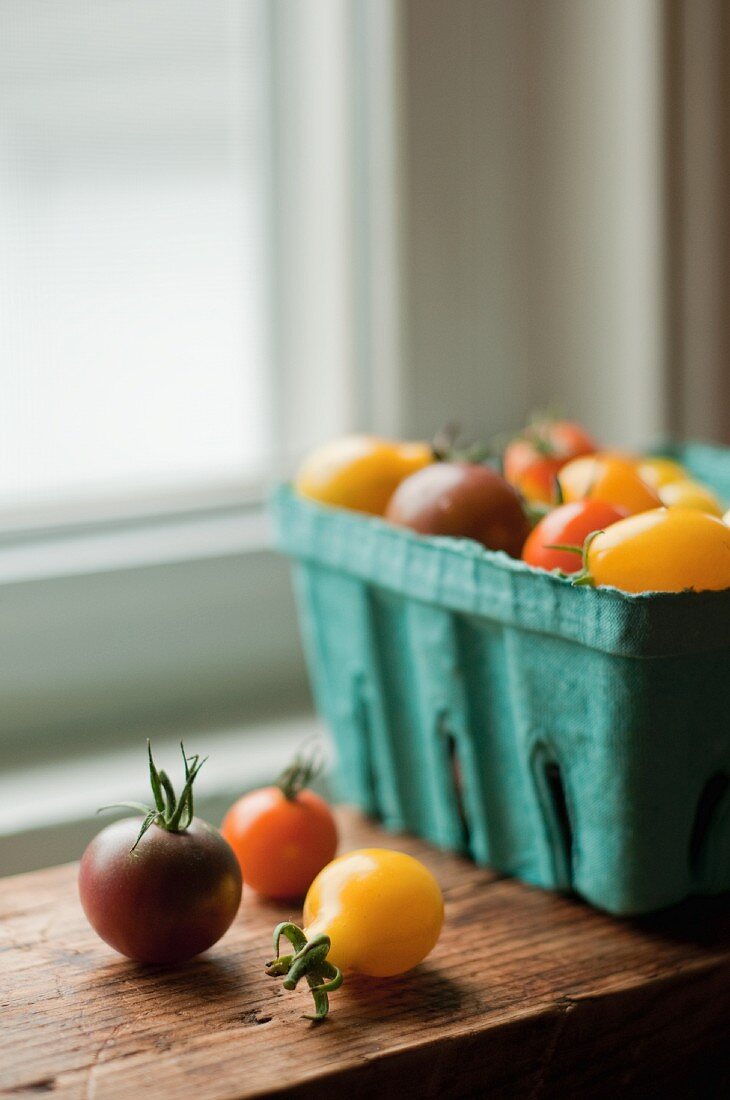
<point x="526" y="994"/>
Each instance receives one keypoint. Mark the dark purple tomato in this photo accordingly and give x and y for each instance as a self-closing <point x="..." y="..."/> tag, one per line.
<point x="464" y="500"/>
<point x="165" y="900"/>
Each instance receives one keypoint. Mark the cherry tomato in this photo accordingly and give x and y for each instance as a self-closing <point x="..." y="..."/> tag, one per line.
<point x="359" y="471"/>
<point x="464" y="500"/>
<point x="610" y="478"/>
<point x="282" y="835"/>
<point x="689" y="494"/>
<point x="533" y="460"/>
<point x="374" y="911"/>
<point x="531" y="474"/>
<point x="658" y="471"/>
<point x="570" y="525"/>
<point x="163" y="887"/>
<point x="664" y="550"/>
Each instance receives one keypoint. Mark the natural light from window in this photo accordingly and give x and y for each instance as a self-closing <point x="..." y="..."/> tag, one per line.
<point x="133" y="252"/>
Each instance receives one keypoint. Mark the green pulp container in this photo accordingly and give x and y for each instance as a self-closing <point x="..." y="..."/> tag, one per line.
<point x="576" y="738"/>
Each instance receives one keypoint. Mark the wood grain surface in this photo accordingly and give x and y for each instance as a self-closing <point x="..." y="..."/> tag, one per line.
<point x="527" y="994"/>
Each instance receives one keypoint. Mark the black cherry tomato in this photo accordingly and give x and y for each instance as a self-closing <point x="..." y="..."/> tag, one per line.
<point x="462" y="499"/>
<point x="162" y="887"/>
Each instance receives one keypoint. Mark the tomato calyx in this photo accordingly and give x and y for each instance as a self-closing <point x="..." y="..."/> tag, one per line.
<point x="309" y="961"/>
<point x="584" y="576"/>
<point x="305" y="767"/>
<point x="169" y="812"/>
<point x="539" y="433"/>
<point x="445" y="447"/>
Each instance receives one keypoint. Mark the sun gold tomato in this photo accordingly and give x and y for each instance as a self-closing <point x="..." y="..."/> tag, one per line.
<point x="281" y="843"/>
<point x="382" y="910"/>
<point x="663" y="550"/>
<point x="658" y="471"/>
<point x="532" y="461"/>
<point x="610" y="478"/>
<point x="374" y="911"/>
<point x="689" y="494"/>
<point x="568" y="525"/>
<point x="359" y="471"/>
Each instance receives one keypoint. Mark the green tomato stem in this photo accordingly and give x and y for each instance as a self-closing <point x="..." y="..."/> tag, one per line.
<point x="309" y="961"/>
<point x="583" y="576"/>
<point x="169" y="812"/>
<point x="305" y="766"/>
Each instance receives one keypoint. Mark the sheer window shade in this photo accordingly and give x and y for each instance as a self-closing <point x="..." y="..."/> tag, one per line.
<point x="133" y="248"/>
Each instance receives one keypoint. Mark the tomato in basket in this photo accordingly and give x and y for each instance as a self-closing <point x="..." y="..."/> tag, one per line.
<point x="359" y="471"/>
<point x="663" y="550"/>
<point x="568" y="525"/>
<point x="687" y="493"/>
<point x="464" y="500"/>
<point x="533" y="460"/>
<point x="612" y="478"/>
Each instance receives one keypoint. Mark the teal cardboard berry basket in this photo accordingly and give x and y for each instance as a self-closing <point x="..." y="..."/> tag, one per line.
<point x="576" y="738"/>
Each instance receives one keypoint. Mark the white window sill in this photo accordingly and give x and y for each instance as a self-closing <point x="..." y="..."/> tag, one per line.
<point x="48" y="813"/>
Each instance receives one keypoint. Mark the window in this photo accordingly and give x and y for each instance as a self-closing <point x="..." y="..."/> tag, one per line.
<point x="133" y="254"/>
<point x="185" y="256"/>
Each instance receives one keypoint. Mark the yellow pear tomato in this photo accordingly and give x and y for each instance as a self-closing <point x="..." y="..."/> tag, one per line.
<point x="663" y="550"/>
<point x="359" y="471"/>
<point x="373" y="911"/>
<point x="686" y="493"/>
<point x="610" y="478"/>
<point x="658" y="471"/>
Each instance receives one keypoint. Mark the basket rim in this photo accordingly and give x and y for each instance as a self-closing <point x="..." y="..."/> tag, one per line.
<point x="461" y="575"/>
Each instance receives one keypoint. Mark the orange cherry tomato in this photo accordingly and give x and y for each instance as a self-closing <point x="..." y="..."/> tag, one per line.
<point x="608" y="477"/>
<point x="568" y="525"/>
<point x="663" y="550"/>
<point x="360" y="471"/>
<point x="282" y="835"/>
<point x="532" y="461"/>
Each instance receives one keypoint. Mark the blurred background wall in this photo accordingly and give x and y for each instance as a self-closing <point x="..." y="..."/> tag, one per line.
<point x="564" y="204"/>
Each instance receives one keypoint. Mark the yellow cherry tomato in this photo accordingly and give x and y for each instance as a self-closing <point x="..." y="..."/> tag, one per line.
<point x="610" y="478"/>
<point x="658" y="471"/>
<point x="359" y="471"/>
<point x="373" y="911"/>
<point x="382" y="910"/>
<point x="686" y="493"/>
<point x="664" y="550"/>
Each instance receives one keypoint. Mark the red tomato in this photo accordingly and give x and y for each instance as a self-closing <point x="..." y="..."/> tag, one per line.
<point x="164" y="887"/>
<point x="532" y="474"/>
<point x="532" y="461"/>
<point x="568" y="525"/>
<point x="282" y="836"/>
<point x="464" y="500"/>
